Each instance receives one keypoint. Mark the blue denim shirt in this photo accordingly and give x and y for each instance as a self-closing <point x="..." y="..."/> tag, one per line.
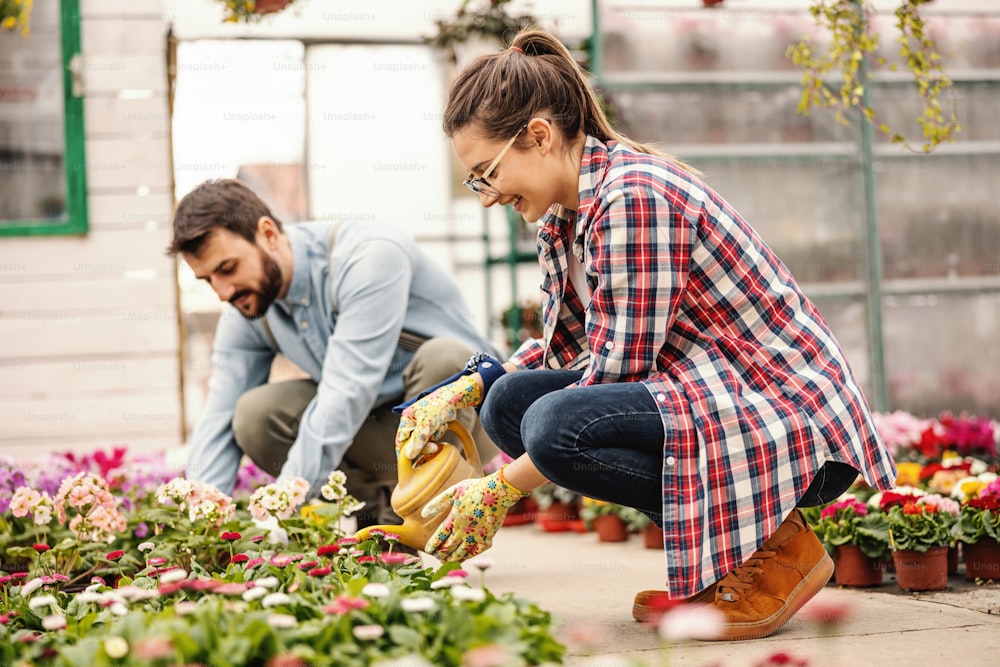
<point x="340" y="323"/>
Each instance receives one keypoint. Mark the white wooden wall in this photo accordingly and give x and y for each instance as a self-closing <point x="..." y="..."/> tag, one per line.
<point x="88" y="325"/>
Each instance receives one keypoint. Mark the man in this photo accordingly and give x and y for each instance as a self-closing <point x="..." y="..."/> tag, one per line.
<point x="357" y="306"/>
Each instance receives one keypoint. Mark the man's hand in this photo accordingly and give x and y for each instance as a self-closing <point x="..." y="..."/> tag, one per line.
<point x="478" y="508"/>
<point x="427" y="419"/>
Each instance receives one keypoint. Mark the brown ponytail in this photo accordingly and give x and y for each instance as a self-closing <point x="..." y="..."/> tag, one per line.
<point x="503" y="91"/>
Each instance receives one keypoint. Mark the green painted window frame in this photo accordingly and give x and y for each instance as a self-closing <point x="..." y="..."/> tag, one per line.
<point x="75" y="164"/>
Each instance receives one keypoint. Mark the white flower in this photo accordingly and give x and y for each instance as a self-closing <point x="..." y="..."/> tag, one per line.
<point x="185" y="607"/>
<point x="274" y="599"/>
<point x="691" y="621"/>
<point x="266" y="582"/>
<point x="173" y="576"/>
<point x="375" y="590"/>
<point x="89" y="596"/>
<point x="282" y="621"/>
<point x="42" y="601"/>
<point x="254" y="593"/>
<point x="368" y="631"/>
<point x="54" y="622"/>
<point x="116" y="647"/>
<point x="416" y="604"/>
<point x="447" y="582"/>
<point x="481" y="564"/>
<point x="30" y="587"/>
<point x="146" y="546"/>
<point x="468" y="594"/>
<point x="118" y="608"/>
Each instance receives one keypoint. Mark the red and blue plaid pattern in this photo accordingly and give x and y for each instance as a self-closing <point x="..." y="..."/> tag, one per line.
<point x="687" y="299"/>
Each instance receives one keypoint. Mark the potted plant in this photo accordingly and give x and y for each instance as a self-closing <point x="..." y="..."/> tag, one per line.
<point x="478" y="21"/>
<point x="15" y="14"/>
<point x="919" y="536"/>
<point x="856" y="538"/>
<point x="978" y="528"/>
<point x="557" y="508"/>
<point x="605" y="519"/>
<point x="249" y="11"/>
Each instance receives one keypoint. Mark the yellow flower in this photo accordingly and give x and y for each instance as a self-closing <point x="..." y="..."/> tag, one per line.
<point x="593" y="502"/>
<point x="909" y="473"/>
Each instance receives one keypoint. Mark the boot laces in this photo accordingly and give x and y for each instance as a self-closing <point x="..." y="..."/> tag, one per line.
<point x="743" y="577"/>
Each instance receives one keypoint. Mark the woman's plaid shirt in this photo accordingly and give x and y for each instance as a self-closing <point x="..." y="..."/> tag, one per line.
<point x="687" y="299"/>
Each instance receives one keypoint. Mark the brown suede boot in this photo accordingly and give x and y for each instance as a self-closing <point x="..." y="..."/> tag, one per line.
<point x="649" y="606"/>
<point x="759" y="596"/>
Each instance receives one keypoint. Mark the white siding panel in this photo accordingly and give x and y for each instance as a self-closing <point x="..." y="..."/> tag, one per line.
<point x="128" y="164"/>
<point x="66" y="334"/>
<point x="150" y="413"/>
<point x="126" y="9"/>
<point x="133" y="117"/>
<point x="131" y="211"/>
<point x="119" y="296"/>
<point x="142" y="33"/>
<point x="92" y="377"/>
<point x="109" y="73"/>
<point x="98" y="255"/>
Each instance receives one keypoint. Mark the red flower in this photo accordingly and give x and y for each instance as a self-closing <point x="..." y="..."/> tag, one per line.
<point x="231" y="536"/>
<point x="255" y="562"/>
<point x="319" y="571"/>
<point x="327" y="549"/>
<point x="115" y="555"/>
<point x="308" y="565"/>
<point x="41" y="548"/>
<point x="367" y="559"/>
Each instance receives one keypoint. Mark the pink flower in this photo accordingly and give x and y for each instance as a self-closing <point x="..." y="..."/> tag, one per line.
<point x="255" y="562"/>
<point x="156" y="562"/>
<point x="389" y="558"/>
<point x="346" y="542"/>
<point x="367" y="559"/>
<point x="319" y="571"/>
<point x="115" y="555"/>
<point x="308" y="565"/>
<point x="239" y="558"/>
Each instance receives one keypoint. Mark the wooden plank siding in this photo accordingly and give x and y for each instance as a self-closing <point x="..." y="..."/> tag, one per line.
<point x="90" y="340"/>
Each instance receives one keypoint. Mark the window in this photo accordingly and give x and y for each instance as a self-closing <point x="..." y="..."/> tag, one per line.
<point x="43" y="185"/>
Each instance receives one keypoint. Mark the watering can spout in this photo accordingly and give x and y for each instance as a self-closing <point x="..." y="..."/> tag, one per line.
<point x="419" y="482"/>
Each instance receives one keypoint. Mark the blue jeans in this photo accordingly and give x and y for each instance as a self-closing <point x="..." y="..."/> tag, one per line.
<point x="602" y="441"/>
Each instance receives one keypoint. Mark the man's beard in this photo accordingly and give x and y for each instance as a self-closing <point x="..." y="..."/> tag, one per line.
<point x="269" y="287"/>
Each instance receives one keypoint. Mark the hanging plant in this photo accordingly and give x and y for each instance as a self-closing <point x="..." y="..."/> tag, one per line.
<point x="854" y="43"/>
<point x="15" y="14"/>
<point x="478" y="19"/>
<point x="251" y="11"/>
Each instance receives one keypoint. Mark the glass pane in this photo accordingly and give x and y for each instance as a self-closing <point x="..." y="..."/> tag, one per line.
<point x="715" y="114"/>
<point x="942" y="353"/>
<point x="32" y="133"/>
<point x="938" y="216"/>
<point x="812" y="221"/>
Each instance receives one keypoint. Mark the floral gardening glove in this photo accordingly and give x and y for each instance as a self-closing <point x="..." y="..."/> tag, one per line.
<point x="478" y="508"/>
<point x="427" y="418"/>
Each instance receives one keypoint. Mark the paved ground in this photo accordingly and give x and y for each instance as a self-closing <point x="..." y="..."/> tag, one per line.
<point x="588" y="587"/>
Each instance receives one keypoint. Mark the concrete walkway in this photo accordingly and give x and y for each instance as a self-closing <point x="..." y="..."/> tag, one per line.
<point x="588" y="587"/>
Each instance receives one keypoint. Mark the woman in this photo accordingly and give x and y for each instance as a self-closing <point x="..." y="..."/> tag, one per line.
<point x="682" y="371"/>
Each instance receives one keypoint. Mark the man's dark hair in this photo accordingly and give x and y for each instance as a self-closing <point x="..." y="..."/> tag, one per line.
<point x="226" y="204"/>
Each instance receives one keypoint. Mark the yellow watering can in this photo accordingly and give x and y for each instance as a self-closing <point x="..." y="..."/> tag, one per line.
<point x="421" y="480"/>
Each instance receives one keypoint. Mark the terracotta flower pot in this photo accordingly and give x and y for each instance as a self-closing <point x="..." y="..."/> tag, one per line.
<point x="522" y="512"/>
<point x="270" y="6"/>
<point x="610" y="528"/>
<point x="921" y="570"/>
<point x="556" y="518"/>
<point x="652" y="536"/>
<point x="982" y="560"/>
<point x="853" y="568"/>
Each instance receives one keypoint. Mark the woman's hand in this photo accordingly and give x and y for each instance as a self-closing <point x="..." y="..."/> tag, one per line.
<point x="426" y="420"/>
<point x="478" y="508"/>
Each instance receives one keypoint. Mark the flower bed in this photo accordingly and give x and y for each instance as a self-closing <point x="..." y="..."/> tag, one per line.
<point x="102" y="570"/>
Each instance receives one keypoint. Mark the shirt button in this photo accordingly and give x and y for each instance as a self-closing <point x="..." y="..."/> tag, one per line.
<point x="305" y="302"/>
<point x="671" y="460"/>
<point x="662" y="398"/>
<point x="305" y="325"/>
<point x="609" y="345"/>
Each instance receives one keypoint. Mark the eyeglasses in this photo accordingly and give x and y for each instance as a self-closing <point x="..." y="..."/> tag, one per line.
<point x="480" y="185"/>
